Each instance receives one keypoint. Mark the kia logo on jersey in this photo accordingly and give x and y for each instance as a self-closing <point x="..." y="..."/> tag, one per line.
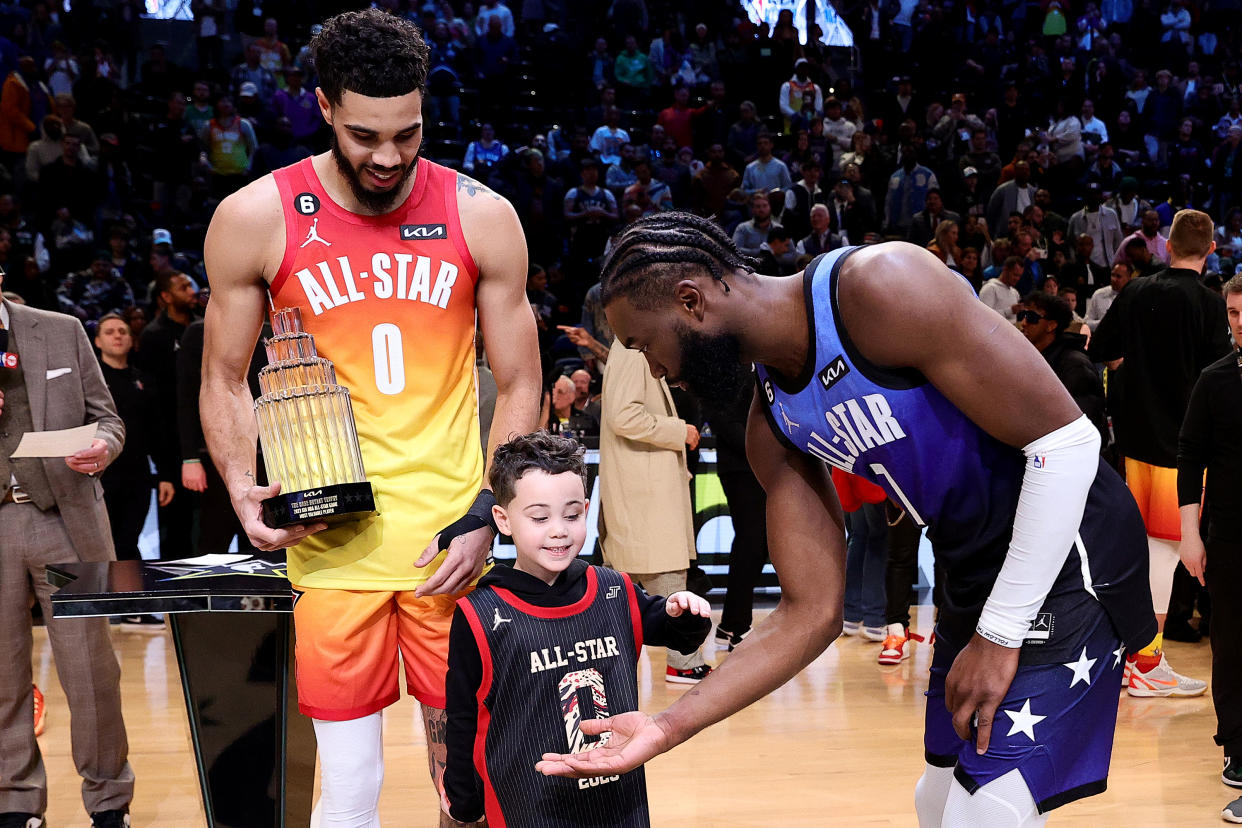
<point x="423" y="231"/>
<point x="833" y="372"/>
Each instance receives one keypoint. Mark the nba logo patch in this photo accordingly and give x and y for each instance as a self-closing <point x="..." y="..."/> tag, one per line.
<point x="1040" y="461"/>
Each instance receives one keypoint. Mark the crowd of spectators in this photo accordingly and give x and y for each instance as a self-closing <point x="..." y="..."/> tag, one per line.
<point x="1032" y="146"/>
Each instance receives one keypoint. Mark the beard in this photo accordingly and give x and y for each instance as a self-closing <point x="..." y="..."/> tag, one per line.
<point x="372" y="200"/>
<point x="711" y="366"/>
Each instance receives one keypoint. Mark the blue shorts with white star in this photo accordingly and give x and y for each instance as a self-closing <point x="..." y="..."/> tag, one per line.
<point x="1055" y="725"/>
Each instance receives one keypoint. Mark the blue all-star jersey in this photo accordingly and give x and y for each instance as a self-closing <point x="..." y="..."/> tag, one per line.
<point x="895" y="429"/>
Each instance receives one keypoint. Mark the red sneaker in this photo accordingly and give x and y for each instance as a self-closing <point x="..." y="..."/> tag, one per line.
<point x="40" y="710"/>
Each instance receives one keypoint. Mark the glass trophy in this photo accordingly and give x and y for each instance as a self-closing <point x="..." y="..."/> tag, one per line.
<point x="307" y="430"/>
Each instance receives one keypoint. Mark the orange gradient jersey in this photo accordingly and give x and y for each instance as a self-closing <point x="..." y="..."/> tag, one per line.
<point x="391" y="301"/>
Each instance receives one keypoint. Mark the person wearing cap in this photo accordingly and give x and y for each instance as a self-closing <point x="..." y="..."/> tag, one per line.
<point x="980" y="157"/>
<point x="100" y="289"/>
<point x="251" y="70"/>
<point x="792" y="90"/>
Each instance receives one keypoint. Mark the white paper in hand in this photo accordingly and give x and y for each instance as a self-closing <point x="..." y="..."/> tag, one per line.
<point x="56" y="443"/>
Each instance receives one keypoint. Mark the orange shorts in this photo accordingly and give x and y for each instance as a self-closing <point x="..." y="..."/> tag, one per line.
<point x="347" y="643"/>
<point x="1155" y="489"/>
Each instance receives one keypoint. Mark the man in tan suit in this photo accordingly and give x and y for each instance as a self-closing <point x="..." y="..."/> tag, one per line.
<point x="646" y="521"/>
<point x="52" y="511"/>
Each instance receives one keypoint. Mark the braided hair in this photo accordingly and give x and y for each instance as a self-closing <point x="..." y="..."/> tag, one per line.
<point x="657" y="251"/>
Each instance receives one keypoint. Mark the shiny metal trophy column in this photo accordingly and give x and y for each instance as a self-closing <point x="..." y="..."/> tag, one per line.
<point x="307" y="430"/>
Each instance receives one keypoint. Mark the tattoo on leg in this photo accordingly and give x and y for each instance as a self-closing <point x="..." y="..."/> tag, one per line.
<point x="435" y="724"/>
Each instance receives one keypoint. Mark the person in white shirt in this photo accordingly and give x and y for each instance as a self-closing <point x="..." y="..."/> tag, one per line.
<point x="840" y="132"/>
<point x="999" y="293"/>
<point x="1102" y="299"/>
<point x="607" y="140"/>
<point x="1091" y="124"/>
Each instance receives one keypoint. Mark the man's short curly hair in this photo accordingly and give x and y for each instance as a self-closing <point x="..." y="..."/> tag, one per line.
<point x="371" y="53"/>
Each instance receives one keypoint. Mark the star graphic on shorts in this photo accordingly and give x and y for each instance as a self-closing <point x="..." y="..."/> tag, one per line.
<point x="1024" y="720"/>
<point x="1082" y="668"/>
<point x="1119" y="654"/>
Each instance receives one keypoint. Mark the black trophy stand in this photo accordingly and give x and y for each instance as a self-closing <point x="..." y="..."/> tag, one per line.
<point x="232" y="627"/>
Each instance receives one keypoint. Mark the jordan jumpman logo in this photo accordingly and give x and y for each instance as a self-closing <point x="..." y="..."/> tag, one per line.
<point x="497" y="619"/>
<point x="789" y="424"/>
<point x="313" y="235"/>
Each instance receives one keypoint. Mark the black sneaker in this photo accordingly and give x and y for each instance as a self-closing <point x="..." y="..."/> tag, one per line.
<point x="691" y="676"/>
<point x="1233" y="811"/>
<point x="141" y="623"/>
<point x="1232" y="774"/>
<point x="110" y="819"/>
<point x="14" y="819"/>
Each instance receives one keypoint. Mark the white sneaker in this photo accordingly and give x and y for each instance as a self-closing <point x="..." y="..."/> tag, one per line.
<point x="850" y="627"/>
<point x="874" y="633"/>
<point x="1162" y="682"/>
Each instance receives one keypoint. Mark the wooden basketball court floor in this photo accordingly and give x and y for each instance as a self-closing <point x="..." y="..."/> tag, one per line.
<point x="839" y="745"/>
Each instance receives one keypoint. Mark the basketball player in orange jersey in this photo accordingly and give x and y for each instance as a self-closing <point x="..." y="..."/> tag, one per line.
<point x="389" y="257"/>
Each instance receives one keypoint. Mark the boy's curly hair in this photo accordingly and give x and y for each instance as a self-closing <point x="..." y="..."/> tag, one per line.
<point x="540" y="450"/>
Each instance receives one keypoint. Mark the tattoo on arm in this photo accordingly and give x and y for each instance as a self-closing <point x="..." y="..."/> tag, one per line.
<point x="473" y="188"/>
<point x="250" y="474"/>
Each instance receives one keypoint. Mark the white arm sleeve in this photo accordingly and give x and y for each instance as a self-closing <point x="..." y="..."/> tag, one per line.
<point x="1060" y="467"/>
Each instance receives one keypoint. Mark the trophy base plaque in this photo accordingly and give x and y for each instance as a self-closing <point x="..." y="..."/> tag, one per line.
<point x="333" y="504"/>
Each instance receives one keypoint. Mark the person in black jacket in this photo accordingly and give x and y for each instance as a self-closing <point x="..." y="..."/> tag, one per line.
<point x="1166" y="329"/>
<point x="560" y="640"/>
<point x="157" y="359"/>
<point x="1045" y="321"/>
<point x="1211" y="547"/>
<point x="127" y="481"/>
<point x="218" y="523"/>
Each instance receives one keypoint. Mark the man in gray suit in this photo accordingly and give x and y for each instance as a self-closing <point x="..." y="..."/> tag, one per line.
<point x="52" y="511"/>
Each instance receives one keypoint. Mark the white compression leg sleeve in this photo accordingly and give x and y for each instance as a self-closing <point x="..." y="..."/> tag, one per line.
<point x="351" y="765"/>
<point x="1163" y="560"/>
<point x="1002" y="803"/>
<point x="930" y="794"/>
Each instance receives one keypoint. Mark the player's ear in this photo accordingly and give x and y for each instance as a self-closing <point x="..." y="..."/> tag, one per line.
<point x="586" y="507"/>
<point x="689" y="298"/>
<point x="502" y="519"/>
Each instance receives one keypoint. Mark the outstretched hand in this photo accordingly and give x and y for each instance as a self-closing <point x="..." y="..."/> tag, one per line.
<point x="685" y="601"/>
<point x="634" y="738"/>
<point x="976" y="686"/>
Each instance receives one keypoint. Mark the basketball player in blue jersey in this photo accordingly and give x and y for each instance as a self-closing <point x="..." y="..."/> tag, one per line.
<point x="881" y="361"/>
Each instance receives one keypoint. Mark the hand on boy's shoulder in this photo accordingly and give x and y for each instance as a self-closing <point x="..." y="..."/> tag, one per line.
<point x="681" y="602"/>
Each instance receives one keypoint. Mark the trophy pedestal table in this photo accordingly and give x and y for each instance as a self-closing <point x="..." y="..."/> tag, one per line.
<point x="232" y="626"/>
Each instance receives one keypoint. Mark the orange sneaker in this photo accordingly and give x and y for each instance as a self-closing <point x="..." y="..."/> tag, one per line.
<point x="40" y="710"/>
<point x="897" y="644"/>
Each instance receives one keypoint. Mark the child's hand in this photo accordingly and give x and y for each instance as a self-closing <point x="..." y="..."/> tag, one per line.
<point x="680" y="602"/>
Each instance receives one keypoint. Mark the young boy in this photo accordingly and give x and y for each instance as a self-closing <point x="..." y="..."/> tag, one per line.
<point x="541" y="646"/>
